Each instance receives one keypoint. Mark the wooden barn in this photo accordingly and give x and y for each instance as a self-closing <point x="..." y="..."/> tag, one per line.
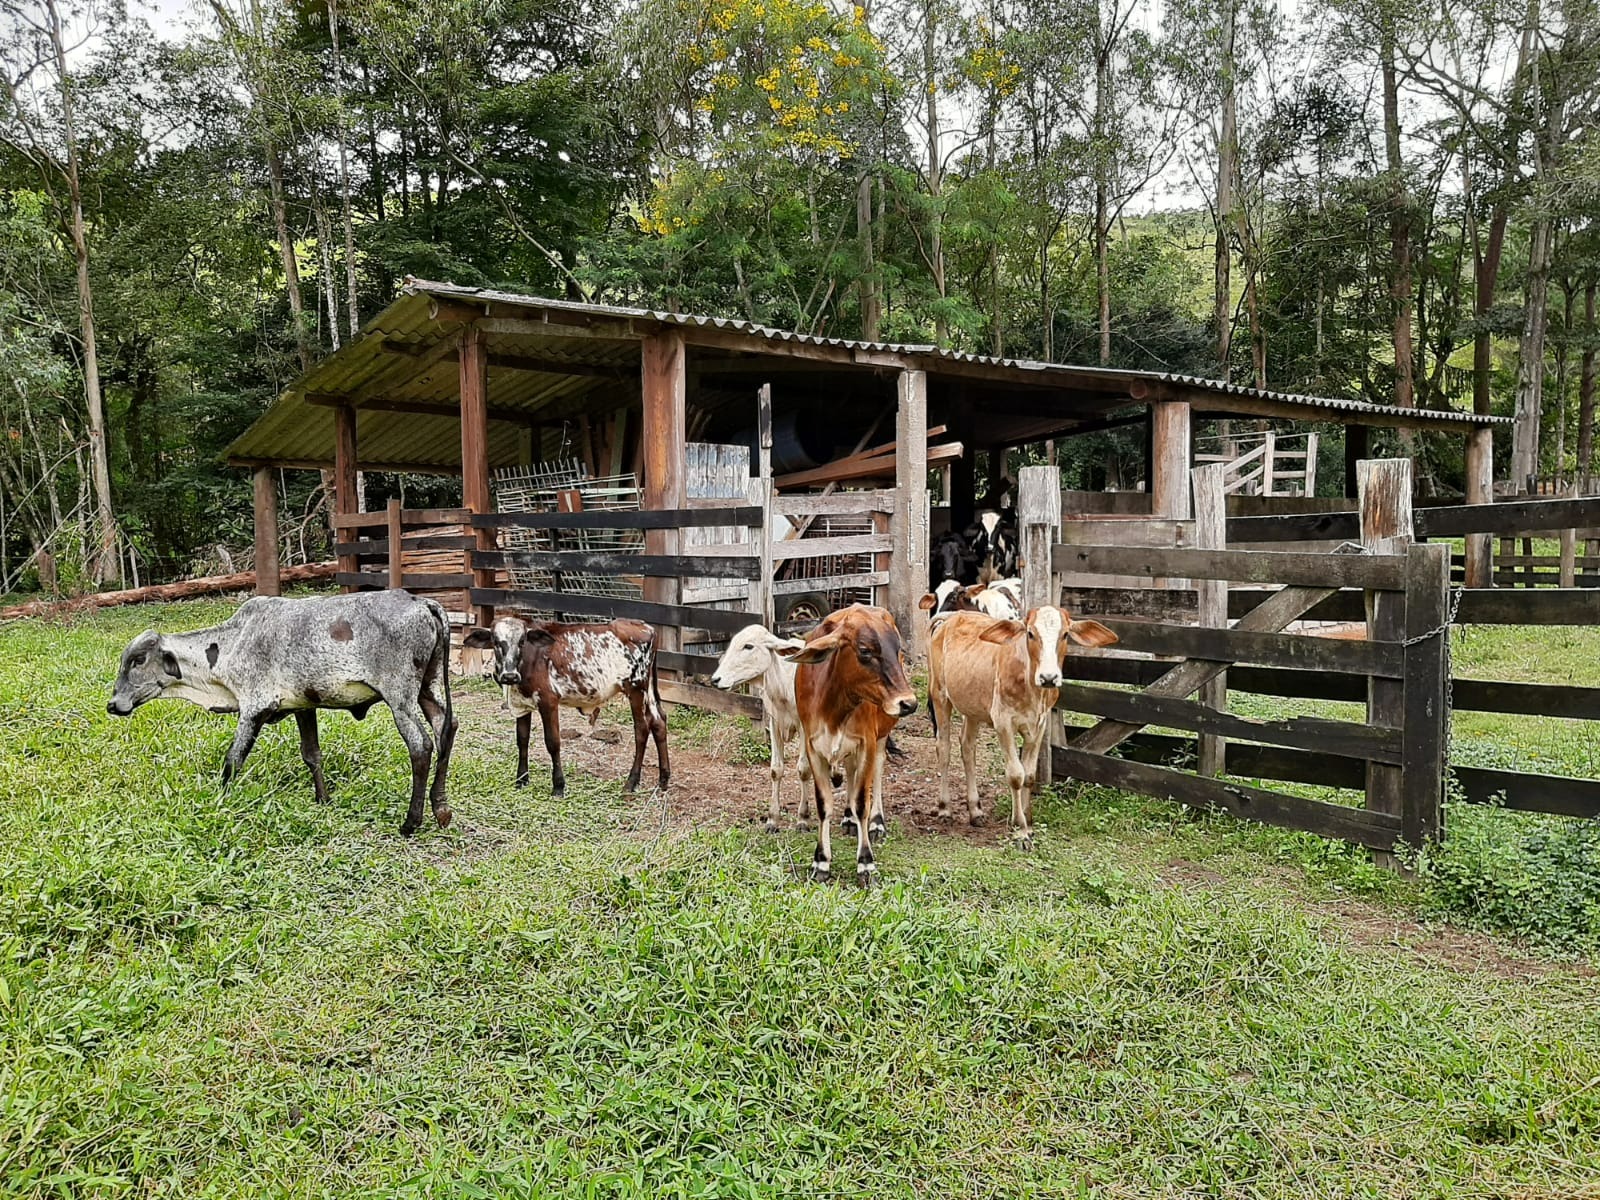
<point x="470" y="381"/>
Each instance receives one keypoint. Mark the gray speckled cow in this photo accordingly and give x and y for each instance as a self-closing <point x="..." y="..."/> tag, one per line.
<point x="276" y="658"/>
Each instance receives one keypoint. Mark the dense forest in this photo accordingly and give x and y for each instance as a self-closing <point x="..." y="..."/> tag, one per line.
<point x="1392" y="201"/>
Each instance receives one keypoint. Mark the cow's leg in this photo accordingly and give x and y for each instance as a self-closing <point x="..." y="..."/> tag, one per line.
<point x="969" y="765"/>
<point x="876" y="829"/>
<point x="444" y="723"/>
<point x="822" y="786"/>
<point x="941" y="707"/>
<point x="658" y="731"/>
<point x="550" y="718"/>
<point x="803" y="767"/>
<point x="641" y="735"/>
<point x="311" y="750"/>
<point x="862" y="780"/>
<point x="1032" y="740"/>
<point x="524" y="730"/>
<point x="413" y="729"/>
<point x="244" y="740"/>
<point x="775" y="742"/>
<point x="1016" y="777"/>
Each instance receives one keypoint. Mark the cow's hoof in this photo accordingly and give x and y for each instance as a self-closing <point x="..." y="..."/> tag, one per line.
<point x="771" y="826"/>
<point x="407" y="829"/>
<point x="523" y="782"/>
<point x="847" y="824"/>
<point x="1025" y="844"/>
<point x="821" y="874"/>
<point x="866" y="879"/>
<point x="664" y="782"/>
<point x="629" y="787"/>
<point x="444" y="816"/>
<point x="558" y="790"/>
<point x="975" y="819"/>
<point x="804" y="825"/>
<point x="876" y="833"/>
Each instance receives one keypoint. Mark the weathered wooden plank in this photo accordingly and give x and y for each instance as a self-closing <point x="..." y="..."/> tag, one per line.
<point x="355" y="520"/>
<point x="1121" y="531"/>
<point x="1386" y="572"/>
<point x="1383" y="491"/>
<point x="822" y="583"/>
<point x="837" y="504"/>
<point x="861" y="543"/>
<point x="712" y="699"/>
<point x="1538" y="606"/>
<point x="436" y="583"/>
<point x="362" y="579"/>
<point x="1479" y="463"/>
<point x="1247" y="760"/>
<point x="1039" y="521"/>
<point x="1509" y="517"/>
<point x="669" y="518"/>
<point x="1260" y="649"/>
<point x="716" y="620"/>
<point x="690" y="664"/>
<point x="371" y="547"/>
<point x="1527" y="792"/>
<point x="1427" y="716"/>
<point x="711" y="550"/>
<point x="622" y="562"/>
<point x="1380" y="744"/>
<point x="1295" y="527"/>
<point x="1156" y="604"/>
<point x="345" y="499"/>
<point x="475" y="493"/>
<point x="1211" y="533"/>
<point x="1355" y="825"/>
<point x="267" y="558"/>
<point x="396" y="539"/>
<point x="908" y="553"/>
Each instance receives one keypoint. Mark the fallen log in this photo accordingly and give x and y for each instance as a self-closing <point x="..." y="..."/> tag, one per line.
<point x="187" y="589"/>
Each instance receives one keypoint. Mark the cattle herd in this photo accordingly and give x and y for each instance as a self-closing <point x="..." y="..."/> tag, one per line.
<point x="838" y="691"/>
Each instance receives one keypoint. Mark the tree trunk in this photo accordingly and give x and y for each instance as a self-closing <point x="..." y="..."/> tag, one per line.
<point x="1227" y="168"/>
<point x="870" y="315"/>
<point x="330" y="289"/>
<point x="930" y="66"/>
<point x="291" y="269"/>
<point x="1102" y="270"/>
<point x="1530" y="352"/>
<point x="1102" y="235"/>
<point x="344" y="180"/>
<point x="105" y="560"/>
<point x="1563" y="354"/>
<point x="1399" y="233"/>
<point x="1586" y="365"/>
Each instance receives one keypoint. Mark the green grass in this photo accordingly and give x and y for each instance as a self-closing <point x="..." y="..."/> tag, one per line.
<point x="245" y="993"/>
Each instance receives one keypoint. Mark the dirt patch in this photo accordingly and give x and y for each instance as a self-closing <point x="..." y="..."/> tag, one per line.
<point x="711" y="789"/>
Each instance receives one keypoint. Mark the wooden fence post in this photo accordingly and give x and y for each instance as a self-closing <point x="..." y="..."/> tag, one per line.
<point x="1383" y="492"/>
<point x="268" y="574"/>
<point x="1479" y="557"/>
<point x="1427" y="716"/>
<point x="396" y="527"/>
<point x="1210" y="533"/>
<point x="908" y="573"/>
<point x="1039" y="521"/>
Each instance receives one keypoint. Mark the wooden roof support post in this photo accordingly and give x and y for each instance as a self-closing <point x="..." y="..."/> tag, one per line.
<point x="345" y="499"/>
<point x="908" y="568"/>
<point x="266" y="527"/>
<point x="1039" y="526"/>
<point x="1383" y="489"/>
<point x="1480" y="490"/>
<point x="1170" y="427"/>
<point x="475" y="495"/>
<point x="664" y="381"/>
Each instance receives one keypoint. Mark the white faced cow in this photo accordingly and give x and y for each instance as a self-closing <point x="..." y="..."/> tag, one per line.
<point x="277" y="658"/>
<point x="549" y="666"/>
<point x="751" y="655"/>
<point x="1003" y="674"/>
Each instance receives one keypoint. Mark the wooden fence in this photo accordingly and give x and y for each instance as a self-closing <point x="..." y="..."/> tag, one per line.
<point x="423" y="550"/>
<point x="1260" y="759"/>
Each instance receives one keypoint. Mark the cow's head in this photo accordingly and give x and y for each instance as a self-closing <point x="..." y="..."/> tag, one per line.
<point x="749" y="655"/>
<point x="949" y="597"/>
<point x="864" y="645"/>
<point x="148" y="669"/>
<point x="951" y="558"/>
<point x="1048" y="630"/>
<point x="509" y="638"/>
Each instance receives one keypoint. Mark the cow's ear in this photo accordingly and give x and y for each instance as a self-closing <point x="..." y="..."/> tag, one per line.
<point x="535" y="631"/>
<point x="927" y="602"/>
<point x="1002" y="631"/>
<point x="1090" y="633"/>
<point x="808" y="653"/>
<point x="169" y="664"/>
<point x="478" y="639"/>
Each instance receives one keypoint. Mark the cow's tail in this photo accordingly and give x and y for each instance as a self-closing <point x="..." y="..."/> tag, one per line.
<point x="441" y="656"/>
<point x="655" y="680"/>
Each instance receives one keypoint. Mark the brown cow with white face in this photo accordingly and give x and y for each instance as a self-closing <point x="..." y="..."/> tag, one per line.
<point x="548" y="666"/>
<point x="850" y="689"/>
<point x="1004" y="674"/>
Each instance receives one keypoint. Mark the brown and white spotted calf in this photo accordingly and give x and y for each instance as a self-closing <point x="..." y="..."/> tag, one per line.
<point x="549" y="666"/>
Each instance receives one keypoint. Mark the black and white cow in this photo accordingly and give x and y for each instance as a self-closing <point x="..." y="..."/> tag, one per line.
<point x="276" y="658"/>
<point x="992" y="544"/>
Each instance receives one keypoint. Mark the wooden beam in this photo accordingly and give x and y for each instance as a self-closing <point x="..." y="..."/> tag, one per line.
<point x="1170" y="454"/>
<point x="421" y="408"/>
<point x="1209" y="484"/>
<point x="475" y="494"/>
<point x="908" y="565"/>
<point x="344" y="468"/>
<point x="864" y="466"/>
<point x="268" y="571"/>
<point x="663" y="382"/>
<point x="521" y="362"/>
<point x="327" y="464"/>
<point x="1383" y="489"/>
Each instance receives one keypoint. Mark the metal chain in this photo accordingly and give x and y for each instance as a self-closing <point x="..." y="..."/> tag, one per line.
<point x="1449" y="666"/>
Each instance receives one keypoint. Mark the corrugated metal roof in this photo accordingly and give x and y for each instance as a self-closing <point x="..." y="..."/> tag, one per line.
<point x="385" y="365"/>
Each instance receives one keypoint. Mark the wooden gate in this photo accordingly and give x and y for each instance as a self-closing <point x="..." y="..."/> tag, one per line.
<point x="1400" y="746"/>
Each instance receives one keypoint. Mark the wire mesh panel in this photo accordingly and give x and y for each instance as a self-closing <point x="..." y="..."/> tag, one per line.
<point x="566" y="486"/>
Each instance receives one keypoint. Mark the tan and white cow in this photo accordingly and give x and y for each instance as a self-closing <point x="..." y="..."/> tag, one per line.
<point x="1006" y="675"/>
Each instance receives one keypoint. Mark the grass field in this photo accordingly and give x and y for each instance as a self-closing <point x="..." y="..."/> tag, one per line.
<point x="245" y="993"/>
